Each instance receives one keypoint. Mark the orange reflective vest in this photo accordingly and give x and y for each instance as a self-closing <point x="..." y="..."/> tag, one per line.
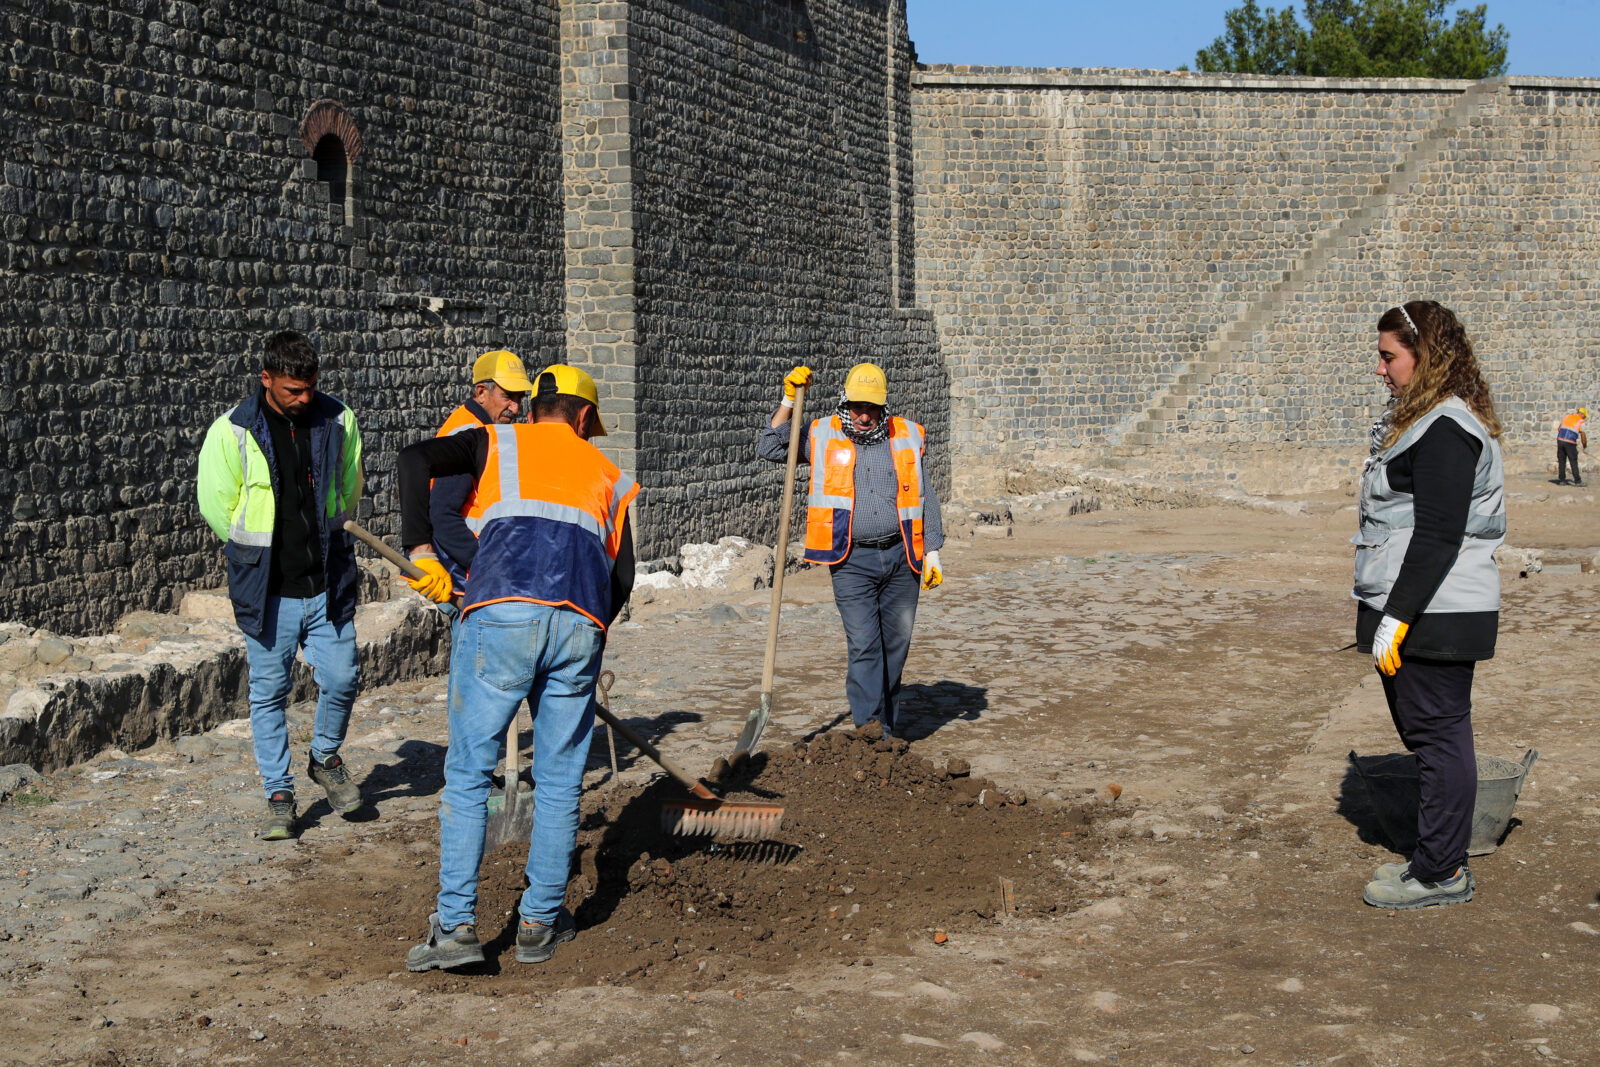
<point x="551" y="510"/>
<point x="832" y="500"/>
<point x="460" y="419"/>
<point x="1571" y="428"/>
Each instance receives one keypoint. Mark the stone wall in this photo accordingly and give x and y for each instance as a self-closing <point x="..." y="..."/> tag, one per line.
<point x="1181" y="274"/>
<point x="767" y="224"/>
<point x="164" y="211"/>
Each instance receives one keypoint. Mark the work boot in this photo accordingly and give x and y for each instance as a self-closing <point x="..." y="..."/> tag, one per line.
<point x="280" y="817"/>
<point x="1409" y="892"/>
<point x="455" y="947"/>
<point x="1391" y="872"/>
<point x="334" y="777"/>
<point x="1577" y="482"/>
<point x="536" y="942"/>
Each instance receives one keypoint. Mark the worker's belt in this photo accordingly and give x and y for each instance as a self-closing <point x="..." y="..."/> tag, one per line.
<point x="880" y="542"/>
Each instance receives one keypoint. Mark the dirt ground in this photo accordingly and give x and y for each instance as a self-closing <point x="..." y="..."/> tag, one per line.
<point x="1122" y="828"/>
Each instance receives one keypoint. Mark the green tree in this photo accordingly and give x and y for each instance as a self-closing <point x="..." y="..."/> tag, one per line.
<point x="1360" y="39"/>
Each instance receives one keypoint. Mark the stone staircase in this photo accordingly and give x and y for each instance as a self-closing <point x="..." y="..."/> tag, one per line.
<point x="1152" y="427"/>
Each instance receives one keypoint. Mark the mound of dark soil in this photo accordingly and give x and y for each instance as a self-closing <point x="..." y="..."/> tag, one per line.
<point x="878" y="848"/>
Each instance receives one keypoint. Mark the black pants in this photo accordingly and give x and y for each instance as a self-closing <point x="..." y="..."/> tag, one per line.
<point x="1567" y="452"/>
<point x="1431" y="703"/>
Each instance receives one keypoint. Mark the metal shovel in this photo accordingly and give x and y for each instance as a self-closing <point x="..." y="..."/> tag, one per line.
<point x="510" y="813"/>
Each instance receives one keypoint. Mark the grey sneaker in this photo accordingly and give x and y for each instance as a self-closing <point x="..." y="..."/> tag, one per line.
<point x="334" y="777"/>
<point x="536" y="942"/>
<point x="280" y="817"/>
<point x="445" y="948"/>
<point x="1412" y="893"/>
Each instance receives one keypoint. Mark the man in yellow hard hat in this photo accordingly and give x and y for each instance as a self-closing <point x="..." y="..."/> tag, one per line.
<point x="1572" y="431"/>
<point x="872" y="517"/>
<point x="554" y="566"/>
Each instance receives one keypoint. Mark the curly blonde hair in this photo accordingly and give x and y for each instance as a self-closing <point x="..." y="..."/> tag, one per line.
<point x="1446" y="366"/>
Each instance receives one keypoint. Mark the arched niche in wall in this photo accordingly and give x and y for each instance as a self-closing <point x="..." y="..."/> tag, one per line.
<point x="333" y="140"/>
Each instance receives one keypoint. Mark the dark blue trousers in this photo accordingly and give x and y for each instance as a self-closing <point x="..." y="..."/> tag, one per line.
<point x="1430" y="701"/>
<point x="876" y="591"/>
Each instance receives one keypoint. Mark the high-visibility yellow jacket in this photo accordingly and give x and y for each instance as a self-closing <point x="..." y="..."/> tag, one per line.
<point x="237" y="489"/>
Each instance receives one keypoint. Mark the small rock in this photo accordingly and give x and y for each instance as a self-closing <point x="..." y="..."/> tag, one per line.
<point x="99" y="1022"/>
<point x="1583" y="928"/>
<point x="723" y="613"/>
<point x="957" y="767"/>
<point x="986" y="1042"/>
<point x="52" y="650"/>
<point x="1544" y="1050"/>
<point x="1544" y="1013"/>
<point x="1247" y="1049"/>
<point x="256" y="1035"/>
<point x="1104" y="1001"/>
<point x="1291" y="985"/>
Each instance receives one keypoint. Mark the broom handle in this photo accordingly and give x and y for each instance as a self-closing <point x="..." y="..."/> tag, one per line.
<point x="602" y="709"/>
<point x="780" y="557"/>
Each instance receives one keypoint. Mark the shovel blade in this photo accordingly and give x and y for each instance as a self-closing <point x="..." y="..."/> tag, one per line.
<point x="510" y="818"/>
<point x="754" y="727"/>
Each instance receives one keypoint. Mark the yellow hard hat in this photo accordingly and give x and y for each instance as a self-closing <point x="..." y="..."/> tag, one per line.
<point x="504" y="369"/>
<point x="1584" y="412"/>
<point x="867" y="384"/>
<point x="559" y="379"/>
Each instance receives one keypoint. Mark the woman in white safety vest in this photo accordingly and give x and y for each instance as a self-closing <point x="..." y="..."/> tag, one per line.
<point x="1432" y="514"/>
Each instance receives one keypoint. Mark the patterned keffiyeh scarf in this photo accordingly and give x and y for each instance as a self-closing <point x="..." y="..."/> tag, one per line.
<point x="878" y="433"/>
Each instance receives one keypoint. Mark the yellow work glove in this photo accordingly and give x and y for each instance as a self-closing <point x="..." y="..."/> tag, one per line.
<point x="932" y="573"/>
<point x="1386" y="644"/>
<point x="435" y="582"/>
<point x="799" y="378"/>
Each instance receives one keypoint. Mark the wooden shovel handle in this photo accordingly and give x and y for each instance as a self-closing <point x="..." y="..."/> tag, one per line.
<point x="780" y="554"/>
<point x="372" y="541"/>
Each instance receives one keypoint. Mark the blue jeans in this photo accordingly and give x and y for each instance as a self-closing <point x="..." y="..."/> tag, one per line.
<point x="876" y="593"/>
<point x="505" y="653"/>
<point x="289" y="624"/>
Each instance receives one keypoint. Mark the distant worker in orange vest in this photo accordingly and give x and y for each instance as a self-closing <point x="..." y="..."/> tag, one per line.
<point x="1572" y="432"/>
<point x="554" y="566"/>
<point x="872" y="517"/>
<point x="499" y="388"/>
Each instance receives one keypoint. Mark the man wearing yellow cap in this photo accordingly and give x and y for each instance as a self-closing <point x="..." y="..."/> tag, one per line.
<point x="554" y="566"/>
<point x="1572" y="431"/>
<point x="499" y="386"/>
<point x="872" y="517"/>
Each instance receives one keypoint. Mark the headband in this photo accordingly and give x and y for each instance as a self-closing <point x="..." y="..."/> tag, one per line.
<point x="1413" y="325"/>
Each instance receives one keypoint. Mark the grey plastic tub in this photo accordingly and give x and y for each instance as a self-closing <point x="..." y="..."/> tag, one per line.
<point x="1392" y="785"/>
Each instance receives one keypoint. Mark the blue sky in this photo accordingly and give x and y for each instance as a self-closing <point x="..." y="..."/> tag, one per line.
<point x="1548" y="37"/>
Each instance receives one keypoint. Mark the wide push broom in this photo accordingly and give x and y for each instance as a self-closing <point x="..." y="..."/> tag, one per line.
<point x="703" y="813"/>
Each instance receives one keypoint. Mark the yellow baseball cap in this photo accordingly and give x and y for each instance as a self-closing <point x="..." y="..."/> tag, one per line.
<point x="504" y="369"/>
<point x="559" y="379"/>
<point x="867" y="384"/>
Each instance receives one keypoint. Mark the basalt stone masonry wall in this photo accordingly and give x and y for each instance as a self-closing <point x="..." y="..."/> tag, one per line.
<point x="1181" y="274"/>
<point x="170" y="193"/>
<point x="767" y="193"/>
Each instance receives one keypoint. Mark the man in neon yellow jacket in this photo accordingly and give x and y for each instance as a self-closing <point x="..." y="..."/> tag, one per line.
<point x="278" y="476"/>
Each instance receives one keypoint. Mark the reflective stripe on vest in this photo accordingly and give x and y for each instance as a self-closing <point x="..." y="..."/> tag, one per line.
<point x="553" y="509"/>
<point x="830" y="504"/>
<point x="239" y="531"/>
<point x="1571" y="427"/>
<point x="1388" y="518"/>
